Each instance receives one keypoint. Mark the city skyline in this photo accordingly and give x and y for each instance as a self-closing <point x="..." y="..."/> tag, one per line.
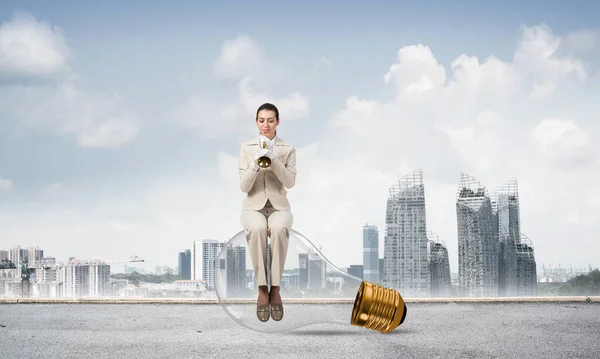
<point x="77" y="278"/>
<point x="494" y="198"/>
<point x="123" y="139"/>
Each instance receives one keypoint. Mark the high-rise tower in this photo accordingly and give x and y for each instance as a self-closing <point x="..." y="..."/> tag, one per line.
<point x="371" y="253"/>
<point x="478" y="246"/>
<point x="406" y="259"/>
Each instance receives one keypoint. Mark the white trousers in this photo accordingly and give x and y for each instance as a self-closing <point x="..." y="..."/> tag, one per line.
<point x="259" y="226"/>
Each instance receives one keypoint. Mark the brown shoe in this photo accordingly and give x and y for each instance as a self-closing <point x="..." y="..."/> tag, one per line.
<point x="277" y="311"/>
<point x="262" y="312"/>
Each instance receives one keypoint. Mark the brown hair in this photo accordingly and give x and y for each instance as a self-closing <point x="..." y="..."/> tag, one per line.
<point x="269" y="107"/>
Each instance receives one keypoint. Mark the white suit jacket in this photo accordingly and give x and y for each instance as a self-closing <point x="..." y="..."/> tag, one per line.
<point x="267" y="183"/>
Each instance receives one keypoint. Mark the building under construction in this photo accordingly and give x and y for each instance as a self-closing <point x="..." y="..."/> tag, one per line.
<point x="526" y="268"/>
<point x="478" y="248"/>
<point x="439" y="266"/>
<point x="406" y="260"/>
<point x="495" y="258"/>
<point x="516" y="250"/>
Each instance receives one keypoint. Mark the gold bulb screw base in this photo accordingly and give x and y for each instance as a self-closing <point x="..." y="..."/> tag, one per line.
<point x="378" y="308"/>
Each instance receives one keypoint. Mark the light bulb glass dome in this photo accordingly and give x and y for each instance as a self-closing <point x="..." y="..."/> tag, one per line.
<point x="313" y="290"/>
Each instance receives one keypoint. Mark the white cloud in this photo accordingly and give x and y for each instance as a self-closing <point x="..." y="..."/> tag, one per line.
<point x="241" y="59"/>
<point x="32" y="48"/>
<point x="203" y="113"/>
<point x="238" y="58"/>
<point x="559" y="133"/>
<point x="537" y="58"/>
<point x="416" y="71"/>
<point x="94" y="120"/>
<point x="6" y="185"/>
<point x="563" y="143"/>
<point x="581" y="42"/>
<point x="294" y="106"/>
<point x="213" y="118"/>
<point x="355" y="114"/>
<point x="97" y="120"/>
<point x="112" y="133"/>
<point x="322" y="64"/>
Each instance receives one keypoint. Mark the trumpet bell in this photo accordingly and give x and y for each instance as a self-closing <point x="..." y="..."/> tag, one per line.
<point x="264" y="162"/>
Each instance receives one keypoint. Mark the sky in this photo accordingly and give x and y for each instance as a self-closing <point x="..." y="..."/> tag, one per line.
<point x="120" y="123"/>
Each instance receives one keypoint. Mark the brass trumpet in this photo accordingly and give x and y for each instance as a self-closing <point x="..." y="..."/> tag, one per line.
<point x="264" y="161"/>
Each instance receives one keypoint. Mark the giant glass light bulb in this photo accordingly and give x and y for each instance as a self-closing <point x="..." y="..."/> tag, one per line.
<point x="313" y="291"/>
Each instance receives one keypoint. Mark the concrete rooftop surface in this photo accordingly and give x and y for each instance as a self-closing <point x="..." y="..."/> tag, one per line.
<point x="454" y="329"/>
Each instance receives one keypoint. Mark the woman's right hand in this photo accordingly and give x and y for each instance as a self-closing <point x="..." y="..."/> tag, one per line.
<point x="258" y="154"/>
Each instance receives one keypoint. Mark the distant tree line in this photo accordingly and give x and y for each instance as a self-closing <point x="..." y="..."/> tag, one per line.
<point x="135" y="277"/>
<point x="583" y="284"/>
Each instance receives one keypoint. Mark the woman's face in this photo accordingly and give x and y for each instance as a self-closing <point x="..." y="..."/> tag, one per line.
<point x="266" y="123"/>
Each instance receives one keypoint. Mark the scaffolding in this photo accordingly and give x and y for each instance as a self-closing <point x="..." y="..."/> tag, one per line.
<point x="439" y="266"/>
<point x="477" y="240"/>
<point x="406" y="259"/>
<point x="505" y="205"/>
<point x="526" y="268"/>
<point x="492" y="250"/>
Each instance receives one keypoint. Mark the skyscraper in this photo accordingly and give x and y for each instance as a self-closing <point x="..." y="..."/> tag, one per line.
<point x="317" y="272"/>
<point x="210" y="252"/>
<point x="86" y="279"/>
<point x="99" y="278"/>
<point x="236" y="271"/>
<point x="197" y="260"/>
<point x="526" y="268"/>
<point x="478" y="245"/>
<point x="34" y="254"/>
<point x="185" y="265"/>
<point x="17" y="254"/>
<point x="356" y="270"/>
<point x="77" y="279"/>
<point x="516" y="267"/>
<point x="406" y="262"/>
<point x="303" y="270"/>
<point x="505" y="206"/>
<point x="370" y="253"/>
<point x="231" y="269"/>
<point x="204" y="257"/>
<point x="439" y="266"/>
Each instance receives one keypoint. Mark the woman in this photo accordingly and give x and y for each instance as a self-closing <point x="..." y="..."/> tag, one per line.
<point x="266" y="210"/>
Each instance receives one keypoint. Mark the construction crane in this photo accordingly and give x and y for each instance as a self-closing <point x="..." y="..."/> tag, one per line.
<point x="26" y="269"/>
<point x="131" y="259"/>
